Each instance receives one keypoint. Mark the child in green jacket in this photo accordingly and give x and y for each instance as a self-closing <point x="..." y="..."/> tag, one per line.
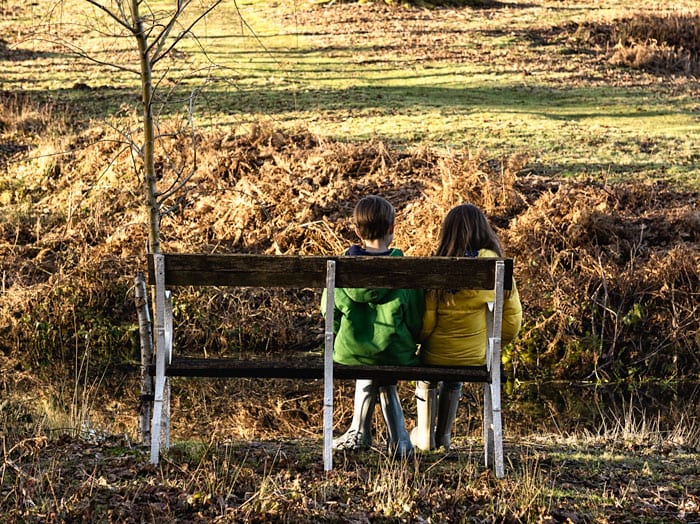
<point x="376" y="326"/>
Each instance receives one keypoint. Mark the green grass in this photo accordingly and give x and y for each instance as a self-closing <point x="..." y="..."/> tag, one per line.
<point x="487" y="87"/>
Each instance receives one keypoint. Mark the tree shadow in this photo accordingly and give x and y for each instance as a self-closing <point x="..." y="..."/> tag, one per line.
<point x="18" y="54"/>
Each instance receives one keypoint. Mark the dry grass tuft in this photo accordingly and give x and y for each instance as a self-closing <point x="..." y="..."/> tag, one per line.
<point x="662" y="44"/>
<point x="629" y="249"/>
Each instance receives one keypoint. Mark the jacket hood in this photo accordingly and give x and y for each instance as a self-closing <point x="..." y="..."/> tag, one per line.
<point x="365" y="295"/>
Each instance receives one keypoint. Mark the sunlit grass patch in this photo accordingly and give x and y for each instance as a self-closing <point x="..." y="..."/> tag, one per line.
<point x="347" y="71"/>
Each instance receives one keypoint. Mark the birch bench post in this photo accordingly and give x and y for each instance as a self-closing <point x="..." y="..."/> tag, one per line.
<point x="167" y="271"/>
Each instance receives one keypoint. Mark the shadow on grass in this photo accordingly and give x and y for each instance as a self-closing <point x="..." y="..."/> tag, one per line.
<point x="566" y="104"/>
<point x="18" y="54"/>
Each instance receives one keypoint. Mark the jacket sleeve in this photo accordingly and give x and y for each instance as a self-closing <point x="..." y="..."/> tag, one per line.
<point x="323" y="303"/>
<point x="337" y="313"/>
<point x="414" y="314"/>
<point x="429" y="316"/>
<point x="512" y="316"/>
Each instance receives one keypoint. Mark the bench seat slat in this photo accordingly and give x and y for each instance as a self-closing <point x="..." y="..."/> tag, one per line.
<point x="313" y="369"/>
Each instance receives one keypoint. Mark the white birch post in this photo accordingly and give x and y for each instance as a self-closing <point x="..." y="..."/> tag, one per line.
<point x="146" y="338"/>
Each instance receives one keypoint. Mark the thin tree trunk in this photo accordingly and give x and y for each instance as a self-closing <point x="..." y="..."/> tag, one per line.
<point x="146" y="337"/>
<point x="152" y="208"/>
<point x="149" y="175"/>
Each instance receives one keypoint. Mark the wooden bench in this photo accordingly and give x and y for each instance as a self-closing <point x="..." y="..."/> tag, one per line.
<point x="167" y="271"/>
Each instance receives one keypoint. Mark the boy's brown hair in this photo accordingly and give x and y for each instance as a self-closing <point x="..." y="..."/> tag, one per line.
<point x="373" y="217"/>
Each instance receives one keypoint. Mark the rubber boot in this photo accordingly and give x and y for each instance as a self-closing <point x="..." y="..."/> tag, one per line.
<point x="450" y="393"/>
<point x="359" y="434"/>
<point x="423" y="435"/>
<point x="399" y="440"/>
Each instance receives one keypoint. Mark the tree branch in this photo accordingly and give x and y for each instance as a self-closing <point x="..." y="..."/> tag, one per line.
<point x="159" y="41"/>
<point x="179" y="183"/>
<point x="157" y="57"/>
<point x="84" y="54"/>
<point x="112" y="15"/>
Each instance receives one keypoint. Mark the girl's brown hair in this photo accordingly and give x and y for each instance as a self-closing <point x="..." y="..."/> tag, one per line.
<point x="466" y="230"/>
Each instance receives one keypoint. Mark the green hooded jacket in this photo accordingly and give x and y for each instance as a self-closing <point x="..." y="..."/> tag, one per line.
<point x="377" y="326"/>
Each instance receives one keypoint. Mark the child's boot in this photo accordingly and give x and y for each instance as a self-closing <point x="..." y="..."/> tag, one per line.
<point x="423" y="435"/>
<point x="359" y="434"/>
<point x="450" y="393"/>
<point x="399" y="440"/>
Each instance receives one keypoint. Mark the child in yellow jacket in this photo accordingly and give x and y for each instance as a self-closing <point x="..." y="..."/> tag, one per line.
<point x="454" y="326"/>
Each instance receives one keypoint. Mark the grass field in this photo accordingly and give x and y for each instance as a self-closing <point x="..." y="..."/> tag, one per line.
<point x="536" y="77"/>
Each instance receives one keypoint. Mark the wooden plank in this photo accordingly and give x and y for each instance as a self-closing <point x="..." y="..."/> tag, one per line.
<point x="313" y="368"/>
<point x="310" y="271"/>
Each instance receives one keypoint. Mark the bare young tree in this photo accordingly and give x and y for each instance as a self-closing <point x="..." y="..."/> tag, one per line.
<point x="155" y="35"/>
<point x="154" y="28"/>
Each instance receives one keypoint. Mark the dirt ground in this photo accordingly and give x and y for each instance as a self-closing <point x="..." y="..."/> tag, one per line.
<point x="109" y="481"/>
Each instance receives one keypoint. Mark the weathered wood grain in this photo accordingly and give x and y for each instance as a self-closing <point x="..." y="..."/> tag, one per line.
<point x="310" y="271"/>
<point x="312" y="368"/>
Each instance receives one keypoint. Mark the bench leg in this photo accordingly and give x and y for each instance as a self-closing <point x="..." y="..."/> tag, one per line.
<point x="493" y="429"/>
<point x="488" y="424"/>
<point x="328" y="369"/>
<point x="165" y="426"/>
<point x="157" y="419"/>
<point x="160" y="425"/>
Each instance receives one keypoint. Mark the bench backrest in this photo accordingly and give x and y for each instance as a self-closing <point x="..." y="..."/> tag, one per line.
<point x="310" y="271"/>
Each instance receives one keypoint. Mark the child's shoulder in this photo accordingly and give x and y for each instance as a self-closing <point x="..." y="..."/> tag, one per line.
<point x="357" y="251"/>
<point x="487" y="253"/>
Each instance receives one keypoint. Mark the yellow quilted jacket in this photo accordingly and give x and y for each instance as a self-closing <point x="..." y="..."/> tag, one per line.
<point x="455" y="334"/>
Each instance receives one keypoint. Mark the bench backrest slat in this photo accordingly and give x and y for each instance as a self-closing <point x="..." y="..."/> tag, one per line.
<point x="310" y="271"/>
